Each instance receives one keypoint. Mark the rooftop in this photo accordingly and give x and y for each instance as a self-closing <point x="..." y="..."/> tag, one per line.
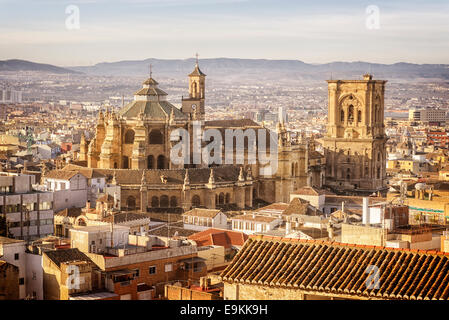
<point x="336" y="268"/>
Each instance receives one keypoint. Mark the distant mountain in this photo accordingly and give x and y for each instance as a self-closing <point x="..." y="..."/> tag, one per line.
<point x="23" y="65"/>
<point x="269" y="69"/>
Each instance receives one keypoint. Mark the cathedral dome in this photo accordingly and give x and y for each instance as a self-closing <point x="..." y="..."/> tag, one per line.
<point x="151" y="102"/>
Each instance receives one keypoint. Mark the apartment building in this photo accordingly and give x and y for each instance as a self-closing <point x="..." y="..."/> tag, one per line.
<point x="28" y="212"/>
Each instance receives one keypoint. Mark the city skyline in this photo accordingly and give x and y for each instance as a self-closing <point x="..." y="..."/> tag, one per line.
<point x="413" y="31"/>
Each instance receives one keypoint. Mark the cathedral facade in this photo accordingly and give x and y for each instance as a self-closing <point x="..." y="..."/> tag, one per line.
<point x="132" y="147"/>
<point x="355" y="141"/>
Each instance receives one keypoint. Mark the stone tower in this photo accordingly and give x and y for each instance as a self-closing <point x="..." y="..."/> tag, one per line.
<point x="354" y="144"/>
<point x="194" y="104"/>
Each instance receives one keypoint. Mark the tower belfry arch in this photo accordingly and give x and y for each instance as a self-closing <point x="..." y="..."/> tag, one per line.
<point x="356" y="128"/>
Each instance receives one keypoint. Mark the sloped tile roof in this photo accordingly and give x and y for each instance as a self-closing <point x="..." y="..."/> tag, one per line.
<point x="335" y="268"/>
<point x="219" y="237"/>
<point x="152" y="109"/>
<point x="66" y="255"/>
<point x="61" y="174"/>
<point x="199" y="212"/>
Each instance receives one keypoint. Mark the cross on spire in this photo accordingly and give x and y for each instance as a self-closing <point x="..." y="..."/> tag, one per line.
<point x="151" y="70"/>
<point x="196" y="55"/>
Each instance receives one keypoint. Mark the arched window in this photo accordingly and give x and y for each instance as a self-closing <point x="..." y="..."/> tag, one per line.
<point x="293" y="170"/>
<point x="228" y="198"/>
<point x="156" y="137"/>
<point x="115" y="165"/>
<point x="342" y="116"/>
<point x="378" y="173"/>
<point x="173" y="202"/>
<point x="221" y="198"/>
<point x="348" y="174"/>
<point x="82" y="223"/>
<point x="155" y="202"/>
<point x="161" y="162"/>
<point x="164" y="201"/>
<point x="378" y="156"/>
<point x="150" y="162"/>
<point x="366" y="171"/>
<point x="125" y="162"/>
<point x="129" y="137"/>
<point x="131" y="203"/>
<point x="351" y="113"/>
<point x="196" y="201"/>
<point x="359" y="116"/>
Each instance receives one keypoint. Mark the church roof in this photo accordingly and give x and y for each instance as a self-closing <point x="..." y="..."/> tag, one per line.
<point x="152" y="109"/>
<point x="151" y="92"/>
<point x="197" y="71"/>
<point x="155" y="107"/>
<point x="150" y="81"/>
<point x="225" y="173"/>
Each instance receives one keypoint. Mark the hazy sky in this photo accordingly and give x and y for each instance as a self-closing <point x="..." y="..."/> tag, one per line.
<point x="311" y="31"/>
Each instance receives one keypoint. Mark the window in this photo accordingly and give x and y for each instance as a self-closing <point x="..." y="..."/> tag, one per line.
<point x="168" y="267"/>
<point x="16" y="256"/>
<point x="129" y="137"/>
<point x="34" y="275"/>
<point x="21" y="281"/>
<point x="351" y="113"/>
<point x="136" y="273"/>
<point x="46" y="205"/>
<point x="152" y="270"/>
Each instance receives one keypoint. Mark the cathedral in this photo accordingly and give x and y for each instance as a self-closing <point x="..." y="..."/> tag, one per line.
<point x="132" y="148"/>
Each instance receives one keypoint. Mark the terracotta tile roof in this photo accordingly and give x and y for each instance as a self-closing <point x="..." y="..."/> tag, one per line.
<point x="255" y="218"/>
<point x="278" y="206"/>
<point x="335" y="268"/>
<point x="66" y="255"/>
<point x="311" y="191"/>
<point x="198" y="212"/>
<point x="297" y="206"/>
<point x="219" y="237"/>
<point x="125" y="217"/>
<point x="174" y="229"/>
<point x="61" y="174"/>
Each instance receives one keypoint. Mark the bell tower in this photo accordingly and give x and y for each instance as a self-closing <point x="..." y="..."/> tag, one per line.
<point x="355" y="141"/>
<point x="194" y="104"/>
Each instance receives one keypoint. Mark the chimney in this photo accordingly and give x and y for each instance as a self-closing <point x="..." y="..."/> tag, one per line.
<point x="288" y="227"/>
<point x="366" y="217"/>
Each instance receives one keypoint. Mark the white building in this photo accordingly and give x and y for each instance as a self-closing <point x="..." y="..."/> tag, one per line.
<point x="202" y="219"/>
<point x="69" y="188"/>
<point x="427" y="115"/>
<point x="252" y="223"/>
